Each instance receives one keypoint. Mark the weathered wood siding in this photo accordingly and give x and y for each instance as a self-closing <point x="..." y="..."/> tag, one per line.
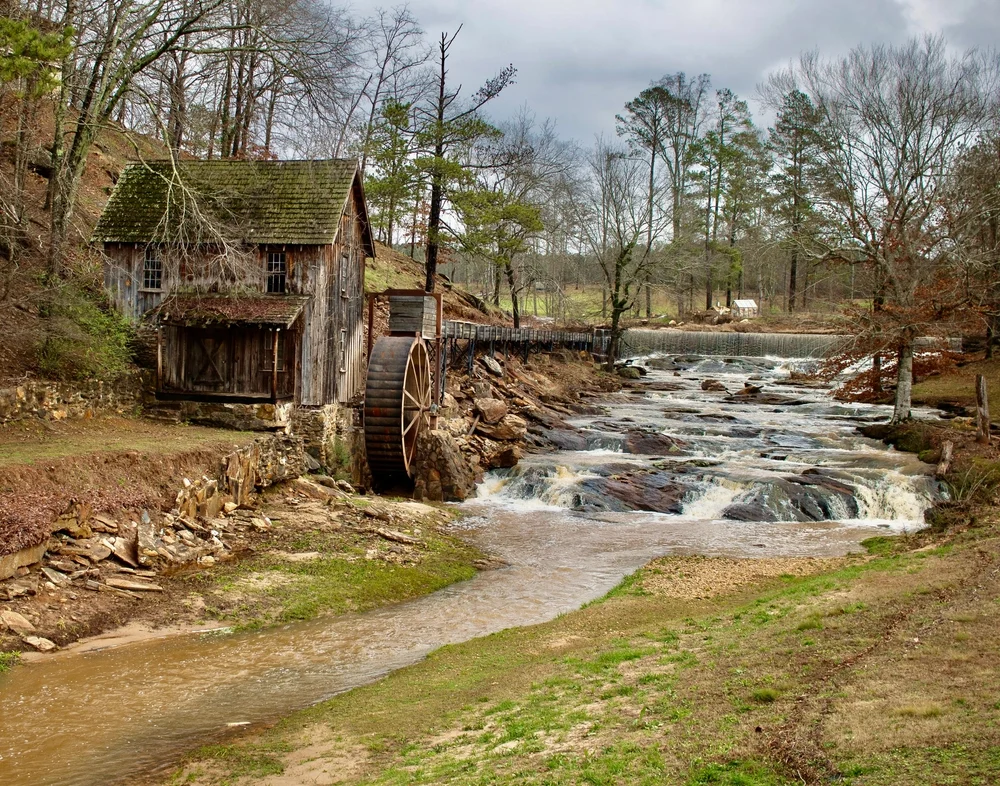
<point x="123" y="279"/>
<point x="330" y="345"/>
<point x="413" y="315"/>
<point x="345" y="332"/>
<point x="229" y="362"/>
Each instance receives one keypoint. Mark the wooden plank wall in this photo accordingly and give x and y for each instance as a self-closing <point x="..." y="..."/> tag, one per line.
<point x="308" y="274"/>
<point x="123" y="280"/>
<point x="236" y="362"/>
<point x="348" y="331"/>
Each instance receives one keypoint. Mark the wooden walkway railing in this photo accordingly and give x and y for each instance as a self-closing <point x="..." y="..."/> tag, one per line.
<point x="462" y="339"/>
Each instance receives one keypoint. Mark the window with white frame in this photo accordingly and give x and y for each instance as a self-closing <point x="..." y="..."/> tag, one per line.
<point x="275" y="271"/>
<point x="152" y="269"/>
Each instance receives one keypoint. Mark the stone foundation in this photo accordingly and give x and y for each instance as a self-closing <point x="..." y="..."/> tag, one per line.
<point x="441" y="472"/>
<point x="333" y="437"/>
<point x="46" y="400"/>
<point x="222" y="414"/>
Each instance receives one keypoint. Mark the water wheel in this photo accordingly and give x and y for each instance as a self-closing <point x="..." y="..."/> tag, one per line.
<point x="397" y="403"/>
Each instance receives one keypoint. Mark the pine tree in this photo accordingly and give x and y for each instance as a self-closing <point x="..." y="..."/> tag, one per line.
<point x="793" y="142"/>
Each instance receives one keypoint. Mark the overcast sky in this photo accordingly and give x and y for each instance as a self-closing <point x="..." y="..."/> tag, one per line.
<point x="579" y="61"/>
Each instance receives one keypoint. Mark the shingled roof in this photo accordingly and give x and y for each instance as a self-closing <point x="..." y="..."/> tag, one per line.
<point x="265" y="202"/>
<point x="207" y="310"/>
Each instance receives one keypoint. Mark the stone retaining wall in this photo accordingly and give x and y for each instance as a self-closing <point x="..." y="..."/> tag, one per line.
<point x="264" y="462"/>
<point x="47" y="400"/>
<point x="333" y="438"/>
<point x="267" y="460"/>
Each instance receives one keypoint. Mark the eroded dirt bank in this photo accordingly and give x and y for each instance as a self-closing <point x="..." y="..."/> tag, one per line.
<point x="302" y="549"/>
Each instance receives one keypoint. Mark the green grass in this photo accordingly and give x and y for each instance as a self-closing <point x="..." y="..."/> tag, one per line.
<point x="343" y="581"/>
<point x="30" y="441"/>
<point x="642" y="689"/>
<point x="8" y="660"/>
<point x="242" y="761"/>
<point x="959" y="385"/>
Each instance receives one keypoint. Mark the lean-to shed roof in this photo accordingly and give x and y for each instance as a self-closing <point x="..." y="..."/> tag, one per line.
<point x="224" y="310"/>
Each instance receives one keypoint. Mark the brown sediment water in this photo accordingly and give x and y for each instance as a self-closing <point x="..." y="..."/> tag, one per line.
<point x="105" y="714"/>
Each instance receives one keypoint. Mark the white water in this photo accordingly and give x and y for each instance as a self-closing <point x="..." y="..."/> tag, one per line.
<point x="733" y="452"/>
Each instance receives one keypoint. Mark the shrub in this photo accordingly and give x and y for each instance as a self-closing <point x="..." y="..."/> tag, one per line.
<point x="84" y="337"/>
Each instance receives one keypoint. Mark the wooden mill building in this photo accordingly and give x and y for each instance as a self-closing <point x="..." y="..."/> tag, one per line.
<point x="252" y="273"/>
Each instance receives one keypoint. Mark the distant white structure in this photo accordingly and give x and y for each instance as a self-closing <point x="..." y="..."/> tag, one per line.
<point x="744" y="309"/>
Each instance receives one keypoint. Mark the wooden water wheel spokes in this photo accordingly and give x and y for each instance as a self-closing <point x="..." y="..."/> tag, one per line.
<point x="416" y="400"/>
<point x="398" y="397"/>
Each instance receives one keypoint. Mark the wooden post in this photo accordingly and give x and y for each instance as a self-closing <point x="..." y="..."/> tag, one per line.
<point x="947" y="451"/>
<point x="159" y="358"/>
<point x="982" y="411"/>
<point x="274" y="368"/>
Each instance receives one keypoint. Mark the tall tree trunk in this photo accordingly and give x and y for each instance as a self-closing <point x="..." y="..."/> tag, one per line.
<point x="904" y="379"/>
<point x="496" y="285"/>
<point x="992" y="334"/>
<point x="512" y="286"/>
<point x="793" y="268"/>
<point x="437" y="175"/>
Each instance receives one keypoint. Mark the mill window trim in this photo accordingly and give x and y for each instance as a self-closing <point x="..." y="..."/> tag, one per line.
<point x="275" y="272"/>
<point x="152" y="269"/>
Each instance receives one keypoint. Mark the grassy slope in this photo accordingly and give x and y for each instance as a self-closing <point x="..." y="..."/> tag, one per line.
<point x="959" y="385"/>
<point x="349" y="573"/>
<point x="881" y="672"/>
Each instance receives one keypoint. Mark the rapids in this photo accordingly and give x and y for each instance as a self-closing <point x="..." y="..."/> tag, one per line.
<point x="734" y="480"/>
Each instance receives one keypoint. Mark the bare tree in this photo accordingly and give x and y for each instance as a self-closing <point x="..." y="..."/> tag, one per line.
<point x="446" y="123"/>
<point x="501" y="205"/>
<point x="893" y="120"/>
<point x="613" y="214"/>
<point x="397" y="52"/>
<point x="114" y="42"/>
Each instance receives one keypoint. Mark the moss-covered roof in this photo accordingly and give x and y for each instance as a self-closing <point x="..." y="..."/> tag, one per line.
<point x="273" y="202"/>
<point x="205" y="310"/>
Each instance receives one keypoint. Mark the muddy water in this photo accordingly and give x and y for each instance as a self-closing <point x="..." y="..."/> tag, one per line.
<point x="104" y="716"/>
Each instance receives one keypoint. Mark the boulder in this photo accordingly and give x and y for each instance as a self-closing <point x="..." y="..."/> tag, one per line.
<point x="40" y="644"/>
<point x="490" y="410"/>
<point x="652" y="491"/>
<point x="16" y="623"/>
<point x="713" y="384"/>
<point x="449" y="406"/>
<point x="647" y="443"/>
<point x="807" y="497"/>
<point x="507" y="456"/>
<point x="492" y="365"/>
<point x="629" y="372"/>
<point x="441" y="472"/>
<point x="508" y="429"/>
<point x="564" y="438"/>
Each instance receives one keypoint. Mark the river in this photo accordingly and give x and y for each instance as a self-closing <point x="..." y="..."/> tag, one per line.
<point x="104" y="716"/>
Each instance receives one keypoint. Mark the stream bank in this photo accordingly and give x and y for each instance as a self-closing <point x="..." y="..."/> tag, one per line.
<point x="868" y="670"/>
<point x="304" y="548"/>
<point x="565" y="542"/>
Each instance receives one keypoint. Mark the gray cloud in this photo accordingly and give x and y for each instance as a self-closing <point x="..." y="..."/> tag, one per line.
<point x="579" y="62"/>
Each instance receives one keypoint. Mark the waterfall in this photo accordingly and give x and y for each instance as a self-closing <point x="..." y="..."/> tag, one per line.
<point x="680" y="342"/>
<point x="639" y="342"/>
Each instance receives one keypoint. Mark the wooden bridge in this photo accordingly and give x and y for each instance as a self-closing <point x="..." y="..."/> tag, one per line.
<point x="462" y="339"/>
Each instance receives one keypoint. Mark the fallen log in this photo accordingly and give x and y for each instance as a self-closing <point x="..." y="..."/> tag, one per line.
<point x="398" y="537"/>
